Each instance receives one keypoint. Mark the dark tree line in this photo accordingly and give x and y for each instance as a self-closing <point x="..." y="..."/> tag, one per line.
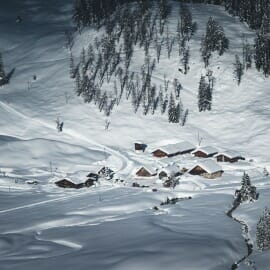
<point x="249" y="11"/>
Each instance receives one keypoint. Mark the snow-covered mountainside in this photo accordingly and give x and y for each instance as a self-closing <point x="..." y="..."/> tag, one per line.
<point x="113" y="225"/>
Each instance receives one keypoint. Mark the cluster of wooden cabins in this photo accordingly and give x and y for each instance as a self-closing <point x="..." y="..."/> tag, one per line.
<point x="207" y="166"/>
<point x="92" y="178"/>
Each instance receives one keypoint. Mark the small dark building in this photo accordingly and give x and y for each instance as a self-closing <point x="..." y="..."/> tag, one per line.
<point x="229" y="156"/>
<point x="65" y="183"/>
<point x="205" y="152"/>
<point x="139" y="146"/>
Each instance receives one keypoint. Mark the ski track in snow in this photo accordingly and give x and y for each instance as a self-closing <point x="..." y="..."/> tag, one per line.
<point x="126" y="163"/>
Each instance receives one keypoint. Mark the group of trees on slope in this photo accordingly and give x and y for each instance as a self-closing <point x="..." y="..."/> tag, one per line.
<point x="257" y="15"/>
<point x="107" y="60"/>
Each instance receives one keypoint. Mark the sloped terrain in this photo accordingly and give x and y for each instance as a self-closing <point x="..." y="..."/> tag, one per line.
<point x="112" y="225"/>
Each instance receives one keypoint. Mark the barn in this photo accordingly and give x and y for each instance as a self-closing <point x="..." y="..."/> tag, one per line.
<point x="146" y="171"/>
<point x="169" y="172"/>
<point x="171" y="150"/>
<point x="229" y="156"/>
<point x="207" y="168"/>
<point x="205" y="152"/>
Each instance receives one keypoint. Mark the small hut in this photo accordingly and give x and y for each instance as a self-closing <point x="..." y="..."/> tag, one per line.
<point x="146" y="171"/>
<point x="205" y="152"/>
<point x="171" y="150"/>
<point x="208" y="169"/>
<point x="169" y="172"/>
<point x="229" y="156"/>
<point x="65" y="183"/>
<point x="139" y="146"/>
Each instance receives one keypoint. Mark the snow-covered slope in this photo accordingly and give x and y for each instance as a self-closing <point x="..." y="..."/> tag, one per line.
<point x="113" y="226"/>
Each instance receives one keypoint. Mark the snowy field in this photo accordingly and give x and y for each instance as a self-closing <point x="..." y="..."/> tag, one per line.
<point x="113" y="226"/>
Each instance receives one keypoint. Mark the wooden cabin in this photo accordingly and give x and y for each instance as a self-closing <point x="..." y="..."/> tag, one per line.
<point x="207" y="169"/>
<point x="169" y="172"/>
<point x="171" y="150"/>
<point x="229" y="156"/>
<point x="205" y="152"/>
<point x="146" y="172"/>
<point x="139" y="146"/>
<point x="65" y="183"/>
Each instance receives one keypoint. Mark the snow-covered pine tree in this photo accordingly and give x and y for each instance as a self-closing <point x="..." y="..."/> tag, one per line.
<point x="263" y="231"/>
<point x="214" y="40"/>
<point x="238" y="69"/>
<point x="247" y="191"/>
<point x="185" y="60"/>
<point x="172" y="114"/>
<point x="71" y="67"/>
<point x="247" y="55"/>
<point x="262" y="55"/>
<point x="204" y="95"/>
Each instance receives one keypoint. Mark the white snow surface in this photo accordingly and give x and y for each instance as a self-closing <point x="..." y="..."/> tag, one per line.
<point x="208" y="150"/>
<point x="177" y="147"/>
<point x="230" y="154"/>
<point x="112" y="226"/>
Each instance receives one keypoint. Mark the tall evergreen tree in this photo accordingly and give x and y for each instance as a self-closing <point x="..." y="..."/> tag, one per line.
<point x="2" y="70"/>
<point x="204" y="95"/>
<point x="173" y="111"/>
<point x="238" y="69"/>
<point x="263" y="231"/>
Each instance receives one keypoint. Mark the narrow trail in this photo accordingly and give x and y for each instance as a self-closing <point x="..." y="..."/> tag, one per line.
<point x="245" y="233"/>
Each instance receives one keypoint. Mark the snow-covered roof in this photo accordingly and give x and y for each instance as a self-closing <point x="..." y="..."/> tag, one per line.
<point x="150" y="169"/>
<point x="177" y="147"/>
<point x="230" y="154"/>
<point x="170" y="169"/>
<point x="208" y="150"/>
<point x="209" y="166"/>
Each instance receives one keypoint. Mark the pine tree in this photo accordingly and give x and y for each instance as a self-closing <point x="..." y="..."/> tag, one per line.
<point x="214" y="40"/>
<point x="238" y="69"/>
<point x="71" y="67"/>
<point x="172" y="114"/>
<point x="204" y="95"/>
<point x="262" y="55"/>
<point x="263" y="231"/>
